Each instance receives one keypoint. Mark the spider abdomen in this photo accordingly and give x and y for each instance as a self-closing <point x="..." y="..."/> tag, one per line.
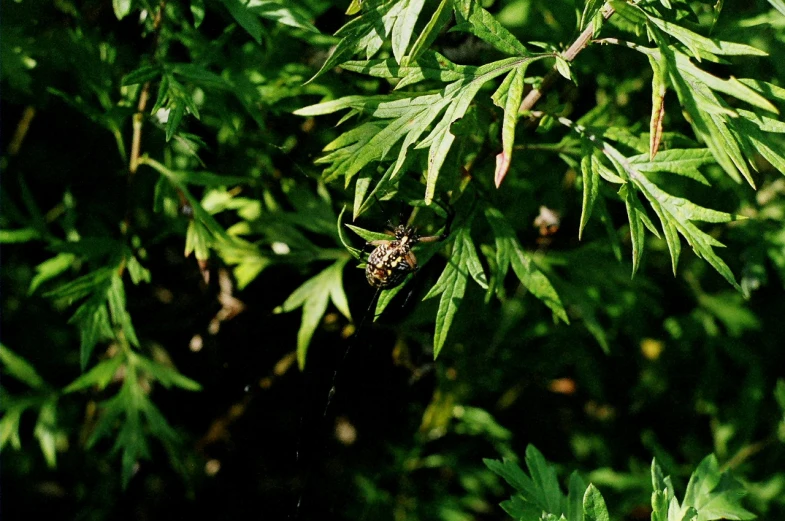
<point x="389" y="263"/>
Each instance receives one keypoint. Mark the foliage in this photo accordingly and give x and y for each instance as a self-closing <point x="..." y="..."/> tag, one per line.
<point x="711" y="493"/>
<point x="179" y="179"/>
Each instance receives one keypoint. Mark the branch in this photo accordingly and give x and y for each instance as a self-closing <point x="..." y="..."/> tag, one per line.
<point x="144" y="97"/>
<point x="577" y="46"/>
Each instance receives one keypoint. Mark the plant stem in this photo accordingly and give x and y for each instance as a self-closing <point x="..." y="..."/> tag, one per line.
<point x="577" y="46"/>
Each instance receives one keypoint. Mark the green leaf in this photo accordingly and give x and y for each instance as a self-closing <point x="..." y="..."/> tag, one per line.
<point x="575" y="497"/>
<point x="700" y="45"/>
<point x="166" y="375"/>
<point x="591" y="187"/>
<point x="564" y="68"/>
<point x="482" y="24"/>
<point x="541" y="489"/>
<point x="9" y="424"/>
<point x="245" y="18"/>
<point x="594" y="508"/>
<point x="636" y="215"/>
<point x="282" y="14"/>
<point x="405" y="117"/>
<point x="99" y="376"/>
<point x="313" y="296"/>
<point x="510" y="252"/>
<point x="175" y="117"/>
<point x="46" y="431"/>
<point x="680" y="161"/>
<point x="50" y="269"/>
<point x="197" y="241"/>
<point x="143" y="74"/>
<point x="137" y="272"/>
<point x="404" y="27"/>
<point x="198" y="74"/>
<point x="590" y="9"/>
<point x="197" y="11"/>
<point x="115" y="297"/>
<point x="779" y="5"/>
<point x="430" y="65"/>
<point x="122" y="8"/>
<point x="714" y="494"/>
<point x="508" y="97"/>
<point x="452" y="285"/>
<point x="17" y="236"/>
<point x="363" y="34"/>
<point x="19" y="368"/>
<point x="429" y="34"/>
<point x="677" y="214"/>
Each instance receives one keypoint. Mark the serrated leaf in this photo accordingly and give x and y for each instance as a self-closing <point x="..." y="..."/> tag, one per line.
<point x="484" y="25"/>
<point x="675" y="213"/>
<point x="19" y="368"/>
<point x="431" y="30"/>
<point x="197" y="240"/>
<point x="508" y="97"/>
<point x="430" y="65"/>
<point x="363" y="34"/>
<point x="405" y="117"/>
<point x="680" y="161"/>
<point x="404" y="27"/>
<point x="137" y="272"/>
<point x="699" y="44"/>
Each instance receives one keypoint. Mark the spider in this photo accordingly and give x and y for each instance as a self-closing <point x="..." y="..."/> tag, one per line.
<point x="392" y="260"/>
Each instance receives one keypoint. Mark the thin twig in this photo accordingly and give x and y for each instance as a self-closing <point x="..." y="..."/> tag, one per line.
<point x="144" y="97"/>
<point x="577" y="46"/>
<point x="21" y="130"/>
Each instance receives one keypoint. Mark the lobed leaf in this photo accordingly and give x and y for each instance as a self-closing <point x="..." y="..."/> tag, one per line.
<point x="313" y="296"/>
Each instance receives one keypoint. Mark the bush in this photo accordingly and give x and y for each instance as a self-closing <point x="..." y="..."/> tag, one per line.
<point x="188" y="187"/>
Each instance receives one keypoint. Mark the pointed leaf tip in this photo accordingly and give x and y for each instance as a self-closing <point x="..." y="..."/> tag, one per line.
<point x="502" y="166"/>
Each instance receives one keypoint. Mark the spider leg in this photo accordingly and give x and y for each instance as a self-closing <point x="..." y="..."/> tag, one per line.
<point x="411" y="260"/>
<point x="447" y="225"/>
